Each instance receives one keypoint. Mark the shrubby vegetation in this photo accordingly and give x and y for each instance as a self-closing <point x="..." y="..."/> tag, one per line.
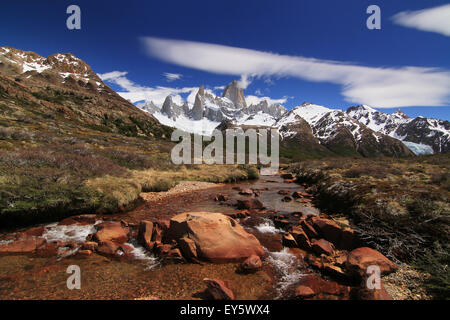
<point x="46" y="175"/>
<point x="398" y="206"/>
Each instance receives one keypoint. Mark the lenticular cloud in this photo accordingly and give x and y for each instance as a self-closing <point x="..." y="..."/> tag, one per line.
<point x="381" y="87"/>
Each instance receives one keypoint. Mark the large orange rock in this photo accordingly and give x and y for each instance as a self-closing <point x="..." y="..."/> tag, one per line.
<point x="359" y="259"/>
<point x="111" y="231"/>
<point x="26" y="245"/>
<point x="217" y="237"/>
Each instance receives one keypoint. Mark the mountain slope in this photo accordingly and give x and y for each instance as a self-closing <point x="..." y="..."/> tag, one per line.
<point x="425" y="135"/>
<point x="64" y="87"/>
<point x="209" y="110"/>
<point x="340" y="133"/>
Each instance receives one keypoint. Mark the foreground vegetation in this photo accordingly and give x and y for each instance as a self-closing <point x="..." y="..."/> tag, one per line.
<point x="46" y="175"/>
<point x="398" y="206"/>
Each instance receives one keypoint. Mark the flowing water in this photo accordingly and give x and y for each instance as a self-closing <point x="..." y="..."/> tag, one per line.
<point x="143" y="275"/>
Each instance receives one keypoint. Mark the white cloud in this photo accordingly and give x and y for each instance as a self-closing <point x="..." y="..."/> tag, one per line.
<point x="435" y="19"/>
<point x="255" y="100"/>
<point x="172" y="76"/>
<point x="135" y="92"/>
<point x="245" y="81"/>
<point x="381" y="87"/>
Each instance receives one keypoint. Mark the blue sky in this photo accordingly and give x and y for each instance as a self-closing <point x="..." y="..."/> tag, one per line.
<point x="123" y="37"/>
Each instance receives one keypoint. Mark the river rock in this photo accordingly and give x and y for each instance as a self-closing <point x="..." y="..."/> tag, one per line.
<point x="322" y="246"/>
<point x="246" y="192"/>
<point x="252" y="264"/>
<point x="287" y="176"/>
<point x="359" y="259"/>
<point x="330" y="231"/>
<point x="145" y="234"/>
<point x="221" y="198"/>
<point x="301" y="238"/>
<point x="304" y="292"/>
<point x="188" y="248"/>
<point x="289" y="241"/>
<point x="365" y="293"/>
<point x="26" y="245"/>
<point x="249" y="204"/>
<point x="323" y="289"/>
<point x="218" y="238"/>
<point x="218" y="289"/>
<point x="33" y="232"/>
<point x="111" y="231"/>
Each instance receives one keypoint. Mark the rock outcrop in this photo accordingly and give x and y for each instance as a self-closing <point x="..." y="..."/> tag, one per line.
<point x="217" y="237"/>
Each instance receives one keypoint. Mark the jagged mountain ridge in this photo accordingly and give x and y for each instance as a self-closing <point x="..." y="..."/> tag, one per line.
<point x="64" y="88"/>
<point x="359" y="130"/>
<point x="421" y="133"/>
<point x="209" y="110"/>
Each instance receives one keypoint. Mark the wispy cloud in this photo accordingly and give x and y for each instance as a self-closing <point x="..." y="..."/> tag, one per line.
<point x="256" y="100"/>
<point x="380" y="87"/>
<point x="172" y="76"/>
<point x="245" y="81"/>
<point x="435" y="19"/>
<point x="135" y="92"/>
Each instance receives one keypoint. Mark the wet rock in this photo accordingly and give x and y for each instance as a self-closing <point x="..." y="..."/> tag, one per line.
<point x="284" y="192"/>
<point x="218" y="289"/>
<point x="281" y="223"/>
<point x="107" y="248"/>
<point x="246" y="192"/>
<point x="83" y="219"/>
<point x="330" y="231"/>
<point x="145" y="234"/>
<point x="90" y="245"/>
<point x="287" y="176"/>
<point x="304" y="292"/>
<point x="26" y="245"/>
<point x="325" y="289"/>
<point x="217" y="237"/>
<point x="249" y="204"/>
<point x="251" y="264"/>
<point x="49" y="249"/>
<point x="286" y="199"/>
<point x="188" y="248"/>
<point x="289" y="241"/>
<point x="299" y="194"/>
<point x="85" y="253"/>
<point x="309" y="230"/>
<point x="359" y="259"/>
<point x="221" y="198"/>
<point x="365" y="293"/>
<point x="111" y="231"/>
<point x="322" y="246"/>
<point x="33" y="232"/>
<point x="334" y="271"/>
<point x="301" y="238"/>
